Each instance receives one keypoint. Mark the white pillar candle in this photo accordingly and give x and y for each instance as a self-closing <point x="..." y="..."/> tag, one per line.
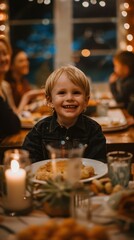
<point x="16" y="187"/>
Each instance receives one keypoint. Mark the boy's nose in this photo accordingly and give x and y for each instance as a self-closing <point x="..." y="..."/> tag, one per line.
<point x="69" y="96"/>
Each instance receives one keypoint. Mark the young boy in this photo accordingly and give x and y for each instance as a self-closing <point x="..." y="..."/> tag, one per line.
<point x="67" y="91"/>
<point x="122" y="80"/>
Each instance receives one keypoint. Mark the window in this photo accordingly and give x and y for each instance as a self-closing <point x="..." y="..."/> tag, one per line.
<point x="94" y="37"/>
<point x="94" y="30"/>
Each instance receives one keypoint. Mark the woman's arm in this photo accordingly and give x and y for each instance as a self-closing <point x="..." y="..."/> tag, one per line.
<point x="28" y="96"/>
<point x="9" y="96"/>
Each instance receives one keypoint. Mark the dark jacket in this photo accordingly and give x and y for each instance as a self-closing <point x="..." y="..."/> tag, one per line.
<point x="122" y="90"/>
<point x="9" y="121"/>
<point x="47" y="131"/>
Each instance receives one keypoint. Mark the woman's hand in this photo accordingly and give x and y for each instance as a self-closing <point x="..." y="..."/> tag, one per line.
<point x="28" y="96"/>
<point x="113" y="78"/>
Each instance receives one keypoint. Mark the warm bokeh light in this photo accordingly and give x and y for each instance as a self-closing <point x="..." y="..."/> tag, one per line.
<point x="129" y="48"/>
<point x="102" y="3"/>
<point x="2" y="27"/>
<point x="85" y="53"/>
<point x="126" y="5"/>
<point x="93" y="2"/>
<point x="126" y="25"/>
<point x="124" y="13"/>
<point x="129" y="37"/>
<point x="47" y="2"/>
<point x="85" y="4"/>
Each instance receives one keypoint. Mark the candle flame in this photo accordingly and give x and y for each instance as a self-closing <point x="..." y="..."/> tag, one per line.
<point x="14" y="166"/>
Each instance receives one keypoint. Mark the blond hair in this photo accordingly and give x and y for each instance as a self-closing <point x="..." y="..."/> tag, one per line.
<point x="6" y="42"/>
<point x="75" y="75"/>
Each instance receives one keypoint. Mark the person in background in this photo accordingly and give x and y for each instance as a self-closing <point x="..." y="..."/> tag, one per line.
<point x="19" y="91"/>
<point x="130" y="110"/>
<point x="9" y="121"/>
<point x="67" y="90"/>
<point x="122" y="80"/>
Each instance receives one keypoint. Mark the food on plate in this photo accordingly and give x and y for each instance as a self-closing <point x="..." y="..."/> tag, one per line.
<point x="105" y="96"/>
<point x="104" y="186"/>
<point x="30" y="118"/>
<point x="54" y="230"/>
<point x="115" y="122"/>
<point x="44" y="110"/>
<point x="92" y="102"/>
<point x="123" y="203"/>
<point x="110" y="122"/>
<point x="104" y="124"/>
<point x="46" y="171"/>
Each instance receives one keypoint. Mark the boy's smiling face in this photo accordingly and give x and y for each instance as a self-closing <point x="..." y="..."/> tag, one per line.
<point x="68" y="100"/>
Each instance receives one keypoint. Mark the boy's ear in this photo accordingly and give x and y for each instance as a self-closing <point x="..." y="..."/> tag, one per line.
<point x="49" y="100"/>
<point x="87" y="99"/>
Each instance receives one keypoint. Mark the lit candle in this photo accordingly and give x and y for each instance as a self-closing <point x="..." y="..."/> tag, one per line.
<point x="16" y="187"/>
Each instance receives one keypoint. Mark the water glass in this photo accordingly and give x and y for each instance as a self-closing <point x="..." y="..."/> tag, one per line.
<point x="102" y="108"/>
<point x="80" y="207"/>
<point x="119" y="167"/>
<point x="73" y="156"/>
<point x="16" y="182"/>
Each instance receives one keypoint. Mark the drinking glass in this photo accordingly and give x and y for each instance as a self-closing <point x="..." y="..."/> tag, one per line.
<point x="16" y="182"/>
<point x="102" y="108"/>
<point x="73" y="156"/>
<point x="80" y="207"/>
<point x="119" y="167"/>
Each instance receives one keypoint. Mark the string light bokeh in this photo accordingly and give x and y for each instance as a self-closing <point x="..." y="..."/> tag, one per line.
<point x="4" y="28"/>
<point x="126" y="16"/>
<point x="127" y="25"/>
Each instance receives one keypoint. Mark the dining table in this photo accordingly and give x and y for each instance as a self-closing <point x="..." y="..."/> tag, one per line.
<point x="10" y="226"/>
<point x="117" y="137"/>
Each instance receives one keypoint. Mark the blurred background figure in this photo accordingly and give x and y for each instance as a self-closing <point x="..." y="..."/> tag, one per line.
<point x="17" y="74"/>
<point x="9" y="121"/>
<point x="21" y="89"/>
<point x="122" y="79"/>
<point x="130" y="110"/>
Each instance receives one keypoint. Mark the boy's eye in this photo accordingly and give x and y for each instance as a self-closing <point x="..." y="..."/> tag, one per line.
<point x="76" y="92"/>
<point x="61" y="92"/>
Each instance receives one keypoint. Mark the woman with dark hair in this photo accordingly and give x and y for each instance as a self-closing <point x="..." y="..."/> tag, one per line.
<point x="22" y="90"/>
<point x="16" y="76"/>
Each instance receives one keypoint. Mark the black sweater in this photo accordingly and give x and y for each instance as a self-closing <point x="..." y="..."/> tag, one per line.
<point x="9" y="121"/>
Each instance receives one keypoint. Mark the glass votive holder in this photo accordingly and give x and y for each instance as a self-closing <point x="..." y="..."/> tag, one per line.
<point x="80" y="205"/>
<point x="16" y="182"/>
<point x="119" y="167"/>
<point x="73" y="157"/>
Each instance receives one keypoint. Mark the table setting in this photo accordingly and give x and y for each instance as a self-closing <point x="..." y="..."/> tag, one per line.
<point x="34" y="112"/>
<point x="110" y="119"/>
<point x="97" y="207"/>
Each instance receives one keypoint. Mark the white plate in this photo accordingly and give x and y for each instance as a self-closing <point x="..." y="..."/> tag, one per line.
<point x="29" y="123"/>
<point x="111" y="124"/>
<point x="99" y="167"/>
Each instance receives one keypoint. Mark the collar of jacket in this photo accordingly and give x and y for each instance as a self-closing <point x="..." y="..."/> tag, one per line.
<point x="79" y="124"/>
